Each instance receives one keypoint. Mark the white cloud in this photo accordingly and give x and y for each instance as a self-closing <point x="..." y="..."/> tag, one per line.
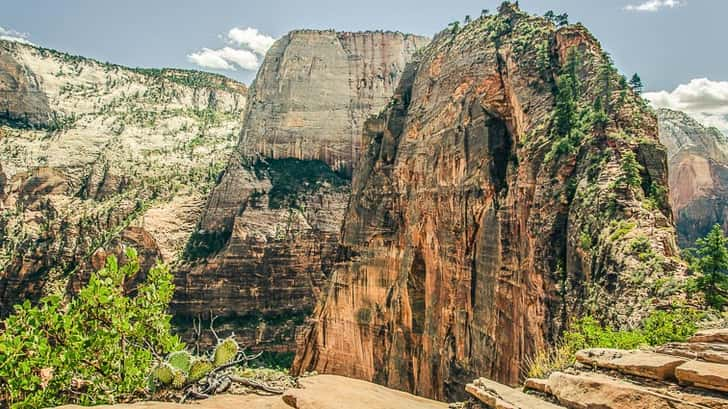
<point x="251" y="46"/>
<point x="249" y="38"/>
<point x="703" y="99"/>
<point x="654" y="5"/>
<point x="12" y="35"/>
<point x="225" y="59"/>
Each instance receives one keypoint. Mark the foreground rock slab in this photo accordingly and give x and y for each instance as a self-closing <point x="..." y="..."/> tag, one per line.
<point x="704" y="375"/>
<point x="587" y="391"/>
<point x="640" y="363"/>
<point x="337" y="392"/>
<point x="711" y="335"/>
<point x="215" y="402"/>
<point x="498" y="396"/>
<point x="703" y="351"/>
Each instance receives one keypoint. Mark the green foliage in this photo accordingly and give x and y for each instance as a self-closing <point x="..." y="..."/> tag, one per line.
<point x="293" y="178"/>
<point x="585" y="241"/>
<point x="621" y="229"/>
<point x="659" y="328"/>
<point x="710" y="260"/>
<point x="636" y="84"/>
<point x="92" y="349"/>
<point x="204" y="243"/>
<point x="631" y="170"/>
<point x="164" y="373"/>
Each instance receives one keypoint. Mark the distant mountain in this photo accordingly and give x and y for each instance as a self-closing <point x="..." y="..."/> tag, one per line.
<point x="95" y="156"/>
<point x="698" y="169"/>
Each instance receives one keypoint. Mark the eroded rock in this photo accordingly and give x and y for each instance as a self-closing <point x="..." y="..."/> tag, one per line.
<point x="706" y="375"/>
<point x="640" y="363"/>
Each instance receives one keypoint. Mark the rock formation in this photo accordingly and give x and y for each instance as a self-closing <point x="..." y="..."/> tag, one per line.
<point x="97" y="157"/>
<point x="698" y="163"/>
<point x="268" y="236"/>
<point x="513" y="182"/>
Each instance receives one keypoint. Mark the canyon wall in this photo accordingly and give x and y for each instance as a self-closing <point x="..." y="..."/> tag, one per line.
<point x="269" y="234"/>
<point x="97" y="157"/>
<point x="698" y="163"/>
<point x="514" y="182"/>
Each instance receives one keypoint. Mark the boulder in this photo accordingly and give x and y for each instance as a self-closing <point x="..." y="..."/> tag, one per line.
<point x="711" y="335"/>
<point x="640" y="363"/>
<point x="705" y="375"/>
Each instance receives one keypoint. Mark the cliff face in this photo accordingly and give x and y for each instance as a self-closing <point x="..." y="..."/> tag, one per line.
<point x="268" y="236"/>
<point x="698" y="162"/>
<point x="513" y="183"/>
<point x="97" y="157"/>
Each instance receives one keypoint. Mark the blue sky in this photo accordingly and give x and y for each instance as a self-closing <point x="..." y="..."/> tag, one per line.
<point x="669" y="42"/>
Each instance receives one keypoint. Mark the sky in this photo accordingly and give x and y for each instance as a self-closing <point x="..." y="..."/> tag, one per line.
<point x="677" y="46"/>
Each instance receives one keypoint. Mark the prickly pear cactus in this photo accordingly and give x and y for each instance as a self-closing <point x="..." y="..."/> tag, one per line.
<point x="225" y="352"/>
<point x="180" y="360"/>
<point x="199" y="368"/>
<point x="163" y="373"/>
<point x="180" y="379"/>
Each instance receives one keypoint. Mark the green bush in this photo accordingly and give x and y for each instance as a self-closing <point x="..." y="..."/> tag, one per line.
<point x="710" y="260"/>
<point x="658" y="328"/>
<point x="95" y="348"/>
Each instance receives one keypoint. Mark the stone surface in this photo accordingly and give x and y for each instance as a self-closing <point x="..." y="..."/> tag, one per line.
<point x="640" y="363"/>
<point x="336" y="392"/>
<point x="498" y="396"/>
<point x="706" y="375"/>
<point x="464" y="251"/>
<point x="704" y="351"/>
<point x="586" y="391"/>
<point x="719" y="335"/>
<point x="216" y="402"/>
<point x="97" y="157"/>
<point x="278" y="209"/>
<point x="698" y="163"/>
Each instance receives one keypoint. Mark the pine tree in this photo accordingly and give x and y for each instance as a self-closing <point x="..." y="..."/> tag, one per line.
<point x="712" y="261"/>
<point x="636" y="84"/>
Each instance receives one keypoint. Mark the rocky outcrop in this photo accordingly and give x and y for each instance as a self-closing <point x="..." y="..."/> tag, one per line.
<point x="269" y="234"/>
<point x="698" y="163"/>
<point x="98" y="157"/>
<point x="484" y="215"/>
<point x="22" y="102"/>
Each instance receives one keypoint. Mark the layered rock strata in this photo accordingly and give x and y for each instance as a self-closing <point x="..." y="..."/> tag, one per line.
<point x="698" y="163"/>
<point x="269" y="234"/>
<point x="513" y="183"/>
<point x="96" y="158"/>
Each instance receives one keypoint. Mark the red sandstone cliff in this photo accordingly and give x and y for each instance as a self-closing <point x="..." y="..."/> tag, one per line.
<point x="270" y="231"/>
<point x="490" y="207"/>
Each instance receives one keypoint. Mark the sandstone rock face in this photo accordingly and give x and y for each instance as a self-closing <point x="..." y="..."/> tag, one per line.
<point x="22" y="102"/>
<point x="269" y="234"/>
<point x="98" y="157"/>
<point x="474" y="230"/>
<point x="719" y="335"/>
<point x="498" y="396"/>
<point x="706" y="375"/>
<point x="698" y="163"/>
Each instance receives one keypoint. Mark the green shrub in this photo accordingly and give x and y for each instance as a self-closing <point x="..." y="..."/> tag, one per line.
<point x="710" y="260"/>
<point x="658" y="328"/>
<point x="95" y="348"/>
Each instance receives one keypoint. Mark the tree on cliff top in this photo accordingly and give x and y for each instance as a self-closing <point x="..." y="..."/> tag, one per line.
<point x="95" y="348"/>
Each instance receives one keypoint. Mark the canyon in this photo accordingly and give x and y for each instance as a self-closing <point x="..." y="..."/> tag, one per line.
<point x="413" y="212"/>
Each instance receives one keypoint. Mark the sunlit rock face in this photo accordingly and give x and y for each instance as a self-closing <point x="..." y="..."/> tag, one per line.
<point x="97" y="158"/>
<point x="698" y="164"/>
<point x="474" y="231"/>
<point x="269" y="234"/>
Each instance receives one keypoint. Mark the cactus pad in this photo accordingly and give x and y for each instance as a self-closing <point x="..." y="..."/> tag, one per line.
<point x="200" y="367"/>
<point x="225" y="352"/>
<point x="163" y="373"/>
<point x="180" y="379"/>
<point x="180" y="360"/>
